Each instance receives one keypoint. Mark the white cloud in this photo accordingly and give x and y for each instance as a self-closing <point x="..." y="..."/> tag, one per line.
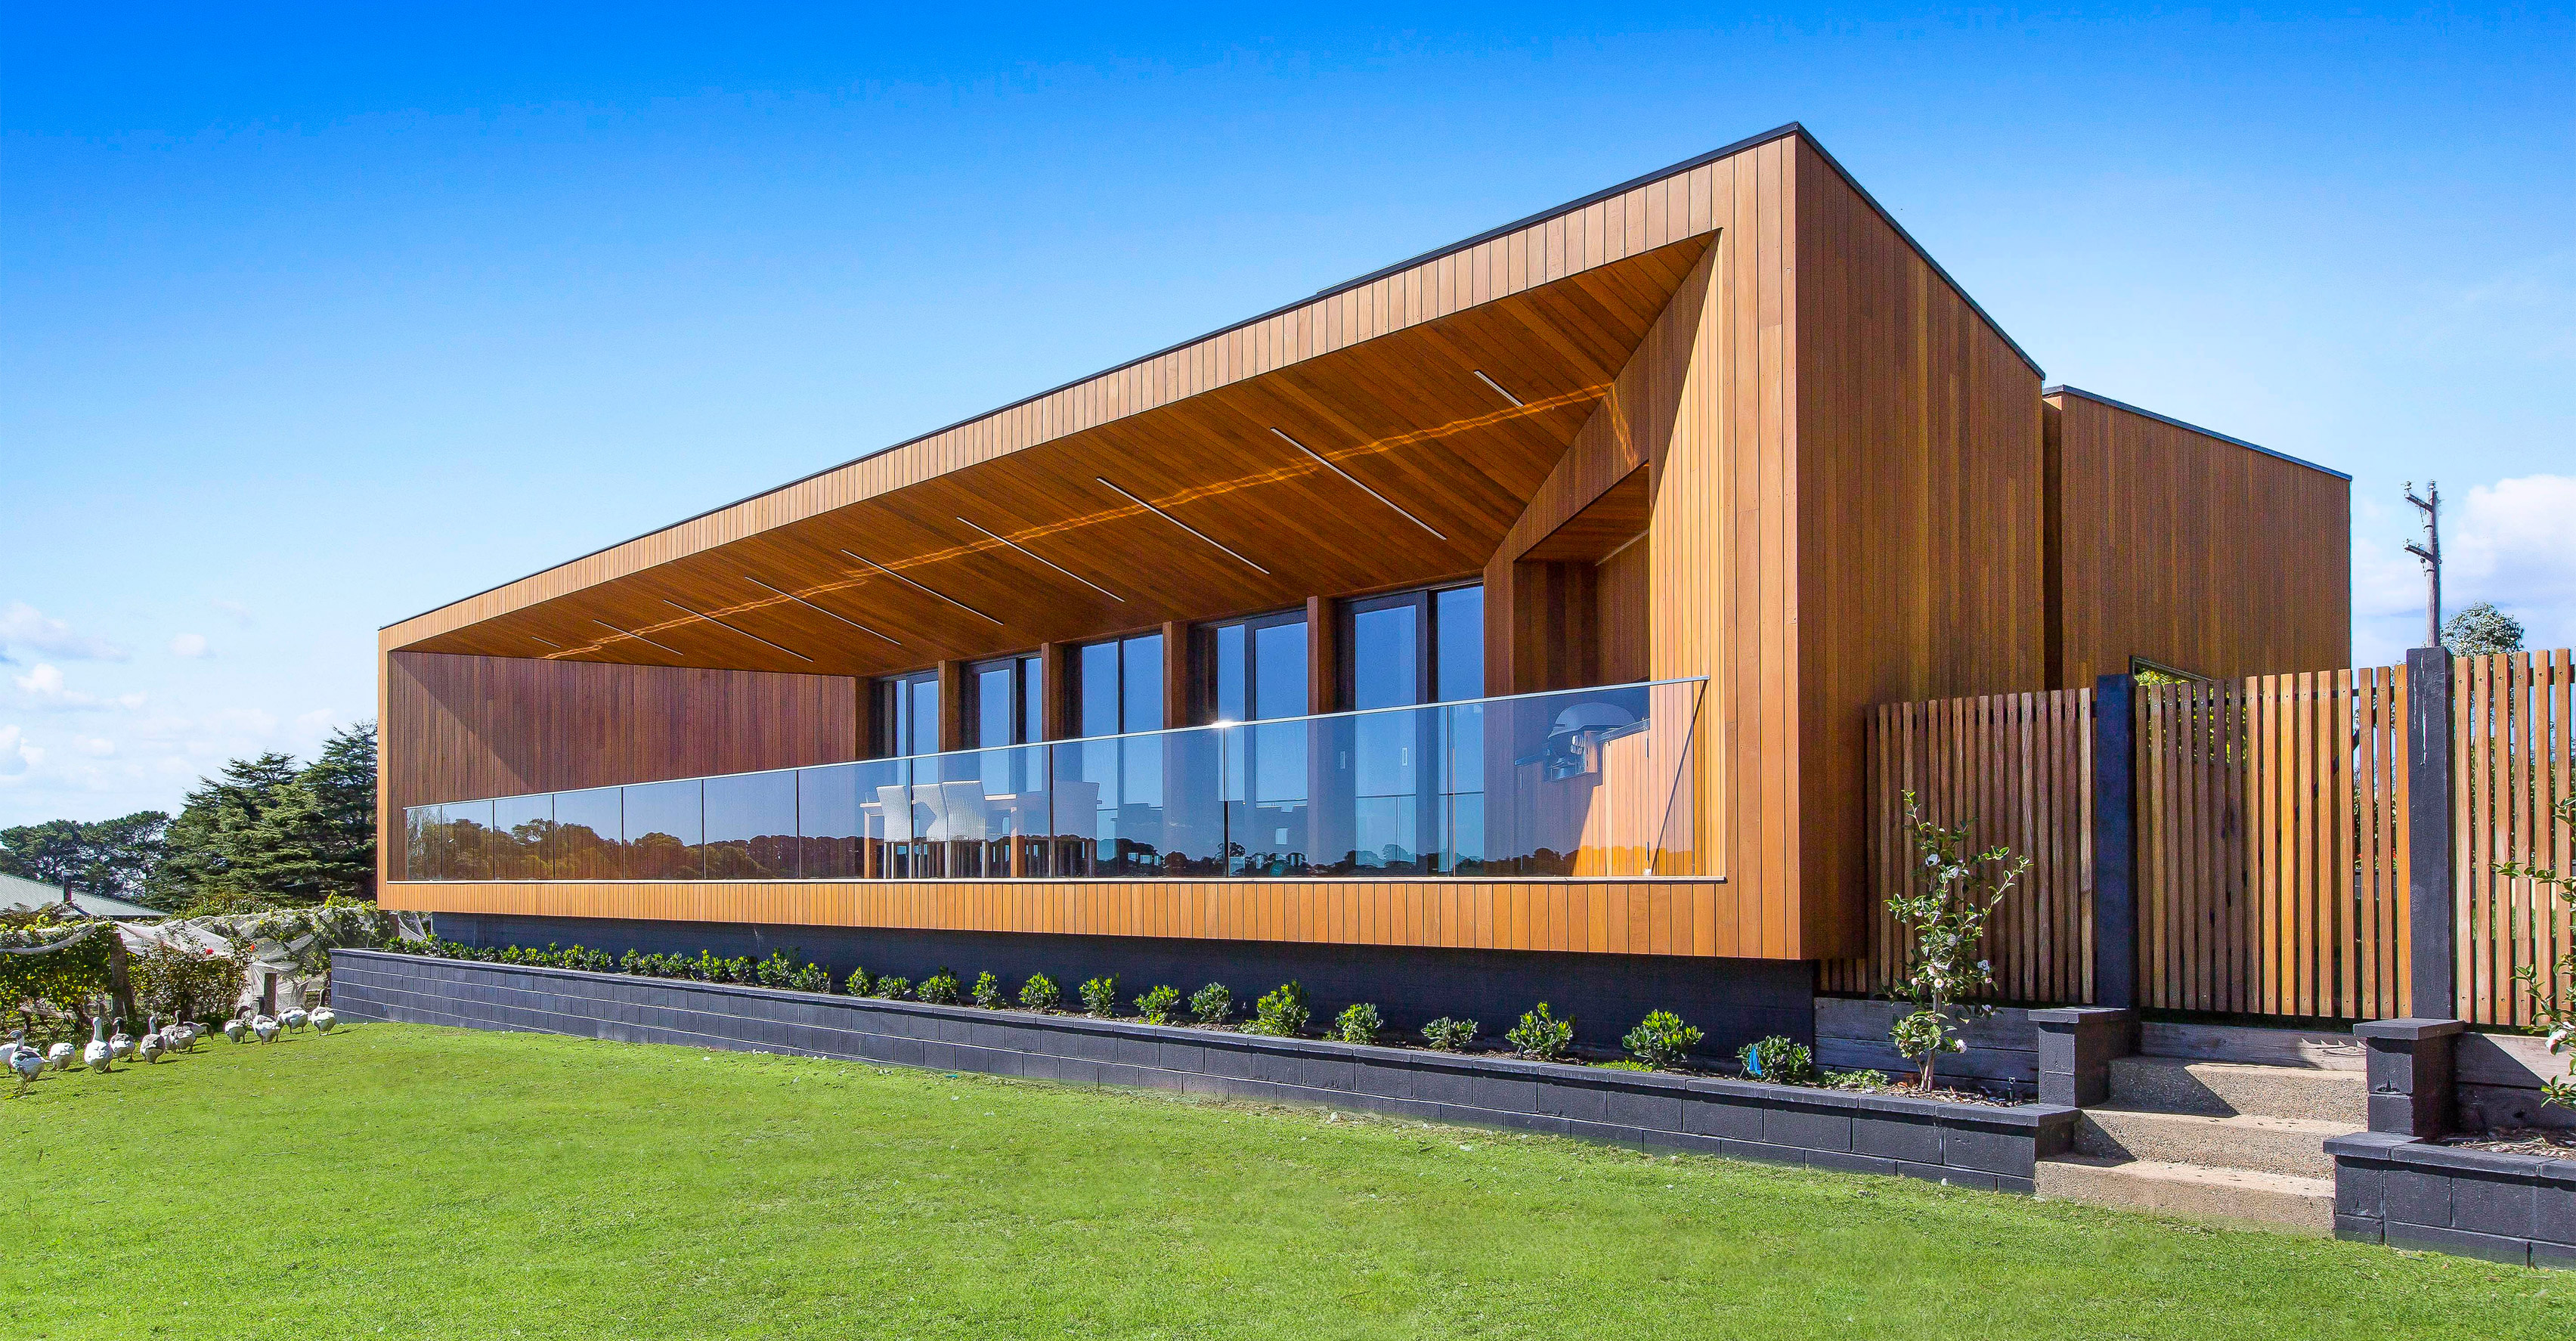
<point x="94" y="746"/>
<point x="23" y="626"/>
<point x="2508" y="542"/>
<point x="45" y="685"/>
<point x="317" y="722"/>
<point x="240" y="613"/>
<point x="16" y="755"/>
<point x="188" y="645"/>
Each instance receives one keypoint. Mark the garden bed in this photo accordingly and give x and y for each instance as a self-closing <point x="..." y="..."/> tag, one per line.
<point x="1965" y="1144"/>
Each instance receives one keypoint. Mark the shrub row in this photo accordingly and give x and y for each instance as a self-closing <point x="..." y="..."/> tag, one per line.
<point x="1662" y="1041"/>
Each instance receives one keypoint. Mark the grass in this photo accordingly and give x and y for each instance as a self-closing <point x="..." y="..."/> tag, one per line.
<point x="406" y="1181"/>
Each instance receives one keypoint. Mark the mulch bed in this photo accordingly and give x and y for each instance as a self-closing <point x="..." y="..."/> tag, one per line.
<point x="2547" y="1142"/>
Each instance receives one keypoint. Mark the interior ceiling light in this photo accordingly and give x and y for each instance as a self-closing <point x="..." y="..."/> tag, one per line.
<point x="548" y="642"/>
<point x="918" y="587"/>
<point x="821" y="611"/>
<point x="1051" y="564"/>
<point x="1181" y="524"/>
<point x="641" y="638"/>
<point x="1319" y="460"/>
<point x="1497" y="386"/>
<point x="744" y="632"/>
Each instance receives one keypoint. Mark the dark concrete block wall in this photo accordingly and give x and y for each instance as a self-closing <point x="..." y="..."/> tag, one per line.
<point x="2409" y="1193"/>
<point x="1735" y="1001"/>
<point x="1964" y="1145"/>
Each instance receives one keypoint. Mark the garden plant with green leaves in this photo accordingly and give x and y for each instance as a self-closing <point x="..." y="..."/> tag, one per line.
<point x="1945" y="915"/>
<point x="2554" y="996"/>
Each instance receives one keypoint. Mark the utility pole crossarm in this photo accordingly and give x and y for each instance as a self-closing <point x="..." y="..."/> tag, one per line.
<point x="2430" y="554"/>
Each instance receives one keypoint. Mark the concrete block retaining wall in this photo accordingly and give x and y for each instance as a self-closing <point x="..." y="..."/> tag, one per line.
<point x="1967" y="1145"/>
<point x="2408" y="1193"/>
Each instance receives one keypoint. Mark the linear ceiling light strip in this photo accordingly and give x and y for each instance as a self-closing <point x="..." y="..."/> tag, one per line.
<point x="1183" y="525"/>
<point x="1052" y="564"/>
<point x="641" y="638"/>
<point x="1319" y="460"/>
<point x="918" y="587"/>
<point x="1498" y="387"/>
<point x="821" y="611"/>
<point x="548" y="642"/>
<point x="744" y="632"/>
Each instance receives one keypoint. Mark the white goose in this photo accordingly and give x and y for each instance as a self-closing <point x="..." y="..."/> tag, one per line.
<point x="60" y="1056"/>
<point x="265" y="1027"/>
<point x="179" y="1036"/>
<point x="324" y="1018"/>
<point x="98" y="1054"/>
<point x="238" y="1027"/>
<point x="148" y="1049"/>
<point x="27" y="1062"/>
<point x="121" y="1045"/>
<point x="293" y="1018"/>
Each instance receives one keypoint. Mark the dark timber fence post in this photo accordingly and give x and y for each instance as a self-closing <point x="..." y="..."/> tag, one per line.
<point x="2115" y="848"/>
<point x="2432" y="983"/>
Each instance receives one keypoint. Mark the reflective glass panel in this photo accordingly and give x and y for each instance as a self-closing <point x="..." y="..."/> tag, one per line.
<point x="1032" y="700"/>
<point x="521" y="828"/>
<point x="1140" y="673"/>
<point x="590" y="833"/>
<point x="665" y="831"/>
<point x="416" y="851"/>
<point x="997" y="706"/>
<point x="751" y="826"/>
<point x="1099" y="688"/>
<point x="1386" y="665"/>
<point x="1458" y="621"/>
<point x="469" y="827"/>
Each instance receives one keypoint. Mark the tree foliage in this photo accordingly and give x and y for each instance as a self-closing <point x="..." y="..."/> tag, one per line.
<point x="111" y="856"/>
<point x="2481" y="630"/>
<point x="269" y="828"/>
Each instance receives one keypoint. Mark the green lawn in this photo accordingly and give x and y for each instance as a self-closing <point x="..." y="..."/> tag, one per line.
<point x="405" y="1181"/>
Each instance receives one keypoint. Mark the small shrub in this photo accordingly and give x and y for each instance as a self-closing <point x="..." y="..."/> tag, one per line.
<point x="1449" y="1035"/>
<point x="1780" y="1059"/>
<point x="1853" y="1080"/>
<point x="1211" y="1004"/>
<point x="1100" y="997"/>
<point x="776" y="971"/>
<point x="1661" y="1040"/>
<point x="860" y="984"/>
<point x="988" y="991"/>
<point x="1159" y="1005"/>
<point x="1282" y="1012"/>
<point x="1623" y="1064"/>
<point x="1541" y="1035"/>
<point x="939" y="989"/>
<point x="1039" y="993"/>
<point x="811" y="978"/>
<point x="1356" y="1024"/>
<point x="893" y="988"/>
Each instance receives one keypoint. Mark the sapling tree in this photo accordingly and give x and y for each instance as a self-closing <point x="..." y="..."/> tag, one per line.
<point x="2553" y="1000"/>
<point x="1946" y="916"/>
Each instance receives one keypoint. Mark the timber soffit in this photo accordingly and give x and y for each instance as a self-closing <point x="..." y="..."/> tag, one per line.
<point x="2063" y="390"/>
<point x="1788" y="130"/>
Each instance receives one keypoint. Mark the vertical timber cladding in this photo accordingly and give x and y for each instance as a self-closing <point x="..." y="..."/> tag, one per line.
<point x="464" y="727"/>
<point x="1830" y="430"/>
<point x="2193" y="550"/>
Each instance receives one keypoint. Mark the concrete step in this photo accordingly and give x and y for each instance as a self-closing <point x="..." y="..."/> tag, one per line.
<point x="2291" y="1146"/>
<point x="2234" y="1089"/>
<point x="2302" y="1204"/>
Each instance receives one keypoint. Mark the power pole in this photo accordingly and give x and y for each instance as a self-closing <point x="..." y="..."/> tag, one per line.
<point x="2430" y="552"/>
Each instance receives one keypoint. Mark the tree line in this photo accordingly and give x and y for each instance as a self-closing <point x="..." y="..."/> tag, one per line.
<point x="263" y="830"/>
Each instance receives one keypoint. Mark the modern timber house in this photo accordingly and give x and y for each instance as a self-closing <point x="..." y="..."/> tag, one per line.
<point x="1497" y="626"/>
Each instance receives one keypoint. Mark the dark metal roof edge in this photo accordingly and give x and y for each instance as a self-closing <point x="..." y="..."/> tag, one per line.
<point x="2061" y="389"/>
<point x="1783" y="131"/>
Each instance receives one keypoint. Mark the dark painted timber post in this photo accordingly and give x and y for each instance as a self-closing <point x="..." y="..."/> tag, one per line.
<point x="2432" y="983"/>
<point x="2115" y="846"/>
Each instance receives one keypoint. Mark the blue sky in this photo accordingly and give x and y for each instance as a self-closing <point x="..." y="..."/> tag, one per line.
<point x="312" y="320"/>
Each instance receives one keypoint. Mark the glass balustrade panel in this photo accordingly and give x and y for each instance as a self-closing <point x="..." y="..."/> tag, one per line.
<point x="751" y="826"/>
<point x="666" y="830"/>
<point x="520" y="827"/>
<point x="589" y="835"/>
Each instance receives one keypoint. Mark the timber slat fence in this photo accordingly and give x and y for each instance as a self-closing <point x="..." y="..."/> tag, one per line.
<point x="2272" y="852"/>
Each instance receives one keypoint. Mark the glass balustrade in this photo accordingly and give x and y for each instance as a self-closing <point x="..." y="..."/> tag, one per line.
<point x="1583" y="782"/>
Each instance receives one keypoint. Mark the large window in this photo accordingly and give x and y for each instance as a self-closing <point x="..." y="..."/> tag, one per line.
<point x="1121" y="686"/>
<point x="1412" y="648"/>
<point x="1254" y="671"/>
<point x="908" y="713"/>
<point x="1005" y="708"/>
